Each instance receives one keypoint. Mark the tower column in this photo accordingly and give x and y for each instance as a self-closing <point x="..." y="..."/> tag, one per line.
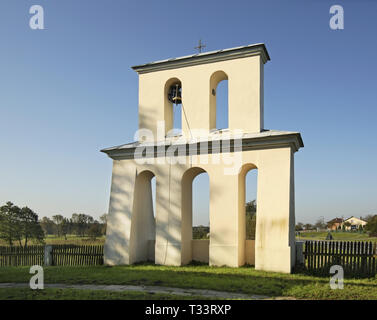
<point x="275" y="241"/>
<point x="168" y="216"/>
<point x="118" y="232"/>
<point x="225" y="236"/>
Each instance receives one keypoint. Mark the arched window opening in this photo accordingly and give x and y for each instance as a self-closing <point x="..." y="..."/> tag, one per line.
<point x="177" y="122"/>
<point x="173" y="107"/>
<point x="219" y="101"/>
<point x="153" y="186"/>
<point x="248" y="179"/>
<point x="143" y="228"/>
<point x="195" y="216"/>
<point x="251" y="203"/>
<point x="200" y="207"/>
<point x="222" y="105"/>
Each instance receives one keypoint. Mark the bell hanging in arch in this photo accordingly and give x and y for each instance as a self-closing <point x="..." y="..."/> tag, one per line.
<point x="175" y="93"/>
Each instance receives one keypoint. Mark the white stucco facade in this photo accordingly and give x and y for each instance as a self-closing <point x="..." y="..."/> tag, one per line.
<point x="132" y="226"/>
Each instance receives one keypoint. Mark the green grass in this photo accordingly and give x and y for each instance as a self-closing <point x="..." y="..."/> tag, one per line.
<point x="75" y="294"/>
<point x="242" y="280"/>
<point x="71" y="239"/>
<point x="341" y="236"/>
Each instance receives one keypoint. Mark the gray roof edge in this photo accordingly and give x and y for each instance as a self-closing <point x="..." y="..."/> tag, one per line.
<point x="205" y="57"/>
<point x="281" y="135"/>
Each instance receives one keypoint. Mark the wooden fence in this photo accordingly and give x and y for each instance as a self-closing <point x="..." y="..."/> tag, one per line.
<point x="72" y="255"/>
<point x="358" y="258"/>
<point x="19" y="256"/>
<point x="60" y="255"/>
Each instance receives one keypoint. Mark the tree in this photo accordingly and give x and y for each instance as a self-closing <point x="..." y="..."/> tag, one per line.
<point x="81" y="223"/>
<point x="9" y="228"/>
<point x="308" y="226"/>
<point x="95" y="230"/>
<point x="62" y="225"/>
<point x="371" y="226"/>
<point x="58" y="219"/>
<point x="368" y="217"/>
<point x="200" y="232"/>
<point x="251" y="207"/>
<point x="17" y="224"/>
<point x="103" y="220"/>
<point x="29" y="226"/>
<point x="320" y="224"/>
<point x="251" y="219"/>
<point x="65" y="227"/>
<point x="299" y="226"/>
<point x="47" y="225"/>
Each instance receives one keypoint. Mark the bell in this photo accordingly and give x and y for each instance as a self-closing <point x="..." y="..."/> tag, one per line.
<point x="175" y="93"/>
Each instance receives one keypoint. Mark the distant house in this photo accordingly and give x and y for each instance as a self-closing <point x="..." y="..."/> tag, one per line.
<point x="354" y="223"/>
<point x="335" y="224"/>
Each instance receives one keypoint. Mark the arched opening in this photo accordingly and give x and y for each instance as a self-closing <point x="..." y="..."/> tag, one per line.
<point x="249" y="176"/>
<point x="195" y="216"/>
<point x="222" y="105"/>
<point x="153" y="186"/>
<point x="143" y="226"/>
<point x="173" y="107"/>
<point x="200" y="207"/>
<point x="219" y="101"/>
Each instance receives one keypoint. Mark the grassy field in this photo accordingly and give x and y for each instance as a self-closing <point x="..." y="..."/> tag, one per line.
<point x="242" y="280"/>
<point x="73" y="294"/>
<point x="71" y="239"/>
<point x="340" y="236"/>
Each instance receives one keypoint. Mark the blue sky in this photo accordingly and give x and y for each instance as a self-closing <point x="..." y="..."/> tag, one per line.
<point x="68" y="91"/>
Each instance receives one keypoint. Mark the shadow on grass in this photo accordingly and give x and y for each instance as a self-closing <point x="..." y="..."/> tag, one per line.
<point x="196" y="275"/>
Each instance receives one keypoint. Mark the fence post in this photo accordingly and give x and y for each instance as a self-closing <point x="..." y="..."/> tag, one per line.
<point x="299" y="252"/>
<point x="47" y="255"/>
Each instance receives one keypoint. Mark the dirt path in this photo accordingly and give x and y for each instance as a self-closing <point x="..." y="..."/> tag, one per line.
<point x="153" y="289"/>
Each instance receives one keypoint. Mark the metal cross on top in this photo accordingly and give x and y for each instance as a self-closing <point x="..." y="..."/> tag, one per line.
<point x="200" y="46"/>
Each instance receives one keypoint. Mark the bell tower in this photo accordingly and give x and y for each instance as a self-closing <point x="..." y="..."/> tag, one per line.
<point x="192" y="82"/>
<point x="138" y="231"/>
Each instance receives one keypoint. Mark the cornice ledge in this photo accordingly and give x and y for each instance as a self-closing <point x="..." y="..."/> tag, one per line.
<point x="292" y="140"/>
<point x="217" y="56"/>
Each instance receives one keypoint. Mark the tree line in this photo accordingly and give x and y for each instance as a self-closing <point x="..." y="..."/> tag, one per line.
<point x="21" y="225"/>
<point x="81" y="225"/>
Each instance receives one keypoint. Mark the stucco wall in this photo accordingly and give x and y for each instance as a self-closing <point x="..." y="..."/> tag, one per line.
<point x="250" y="252"/>
<point x="245" y="95"/>
<point x="200" y="250"/>
<point x="227" y="211"/>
